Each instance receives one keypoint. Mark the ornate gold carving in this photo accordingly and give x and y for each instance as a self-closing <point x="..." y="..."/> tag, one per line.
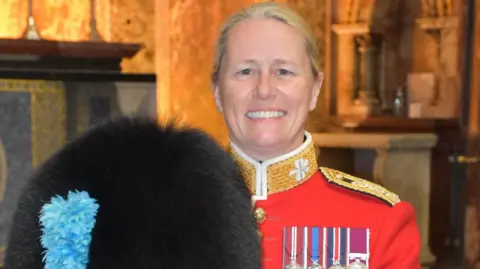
<point x="131" y="21"/>
<point x="194" y="26"/>
<point x="48" y="114"/>
<point x="360" y="185"/>
<point x="69" y="20"/>
<point x="66" y="20"/>
<point x="14" y="15"/>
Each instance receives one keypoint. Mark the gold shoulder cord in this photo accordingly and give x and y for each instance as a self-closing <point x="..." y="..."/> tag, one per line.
<point x="360" y="185"/>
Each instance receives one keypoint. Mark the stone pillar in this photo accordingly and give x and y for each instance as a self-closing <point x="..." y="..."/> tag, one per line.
<point x="344" y="73"/>
<point x="366" y="103"/>
<point x="344" y="65"/>
<point x="407" y="173"/>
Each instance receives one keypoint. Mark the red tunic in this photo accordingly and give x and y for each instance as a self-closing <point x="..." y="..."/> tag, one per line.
<point x="317" y="218"/>
<point x="394" y="237"/>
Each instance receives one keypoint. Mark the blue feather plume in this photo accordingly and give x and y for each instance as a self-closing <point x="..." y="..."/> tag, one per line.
<point x="66" y="226"/>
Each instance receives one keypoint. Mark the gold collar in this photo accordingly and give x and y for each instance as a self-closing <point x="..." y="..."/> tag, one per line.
<point x="278" y="174"/>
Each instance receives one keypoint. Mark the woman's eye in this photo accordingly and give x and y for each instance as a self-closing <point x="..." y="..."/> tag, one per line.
<point x="283" y="72"/>
<point x="245" y="72"/>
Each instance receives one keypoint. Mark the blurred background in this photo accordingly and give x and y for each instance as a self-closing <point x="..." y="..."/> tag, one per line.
<point x="399" y="106"/>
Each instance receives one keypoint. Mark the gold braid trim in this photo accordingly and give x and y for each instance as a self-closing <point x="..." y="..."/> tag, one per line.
<point x="359" y="185"/>
<point x="247" y="169"/>
<point x="281" y="176"/>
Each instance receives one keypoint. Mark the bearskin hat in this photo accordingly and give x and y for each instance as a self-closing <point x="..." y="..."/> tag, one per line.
<point x="132" y="193"/>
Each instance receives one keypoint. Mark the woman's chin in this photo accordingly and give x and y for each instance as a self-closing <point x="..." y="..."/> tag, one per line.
<point x="266" y="142"/>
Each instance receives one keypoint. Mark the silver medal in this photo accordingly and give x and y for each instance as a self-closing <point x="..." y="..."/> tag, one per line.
<point x="357" y="265"/>
<point x="315" y="265"/>
<point x="293" y="265"/>
<point x="336" y="265"/>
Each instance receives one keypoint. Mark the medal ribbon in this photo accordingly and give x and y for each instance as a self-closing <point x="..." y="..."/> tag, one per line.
<point x="305" y="247"/>
<point x="368" y="243"/>
<point x="336" y="244"/>
<point x="319" y="245"/>
<point x="290" y="244"/>
<point x="358" y="245"/>
<point x="315" y="249"/>
<point x="293" y="250"/>
<point x="343" y="245"/>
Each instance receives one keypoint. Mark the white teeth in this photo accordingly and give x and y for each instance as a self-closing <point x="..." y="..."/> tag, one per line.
<point x="265" y="114"/>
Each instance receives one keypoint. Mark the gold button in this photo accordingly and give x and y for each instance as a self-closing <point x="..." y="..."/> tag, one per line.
<point x="260" y="215"/>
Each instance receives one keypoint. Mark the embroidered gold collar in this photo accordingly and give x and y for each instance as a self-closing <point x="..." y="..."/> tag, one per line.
<point x="278" y="174"/>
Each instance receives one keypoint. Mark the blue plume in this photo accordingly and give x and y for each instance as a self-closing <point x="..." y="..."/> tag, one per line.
<point x="66" y="226"/>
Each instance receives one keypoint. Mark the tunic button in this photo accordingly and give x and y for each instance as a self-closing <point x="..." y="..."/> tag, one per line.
<point x="260" y="215"/>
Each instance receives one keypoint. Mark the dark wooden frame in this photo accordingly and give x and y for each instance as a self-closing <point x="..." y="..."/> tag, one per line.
<point x="73" y="61"/>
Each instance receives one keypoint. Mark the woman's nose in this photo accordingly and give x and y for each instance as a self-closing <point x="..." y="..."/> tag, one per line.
<point x="265" y="87"/>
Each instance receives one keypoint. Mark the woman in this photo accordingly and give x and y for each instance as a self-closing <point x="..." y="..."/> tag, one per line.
<point x="266" y="79"/>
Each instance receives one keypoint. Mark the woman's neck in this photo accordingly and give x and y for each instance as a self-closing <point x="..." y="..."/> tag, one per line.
<point x="261" y="154"/>
<point x="290" y="169"/>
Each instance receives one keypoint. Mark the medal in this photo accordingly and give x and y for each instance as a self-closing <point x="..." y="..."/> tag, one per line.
<point x="316" y="235"/>
<point x="337" y="248"/>
<point x="293" y="265"/>
<point x="293" y="251"/>
<point x="336" y="265"/>
<point x="358" y="248"/>
<point x="357" y="265"/>
<point x="324" y="247"/>
<point x="315" y="265"/>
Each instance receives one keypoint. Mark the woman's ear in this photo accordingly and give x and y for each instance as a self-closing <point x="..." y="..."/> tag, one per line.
<point x="317" y="86"/>
<point x="216" y="93"/>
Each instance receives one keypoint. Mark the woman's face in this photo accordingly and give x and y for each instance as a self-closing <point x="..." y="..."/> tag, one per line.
<point x="266" y="88"/>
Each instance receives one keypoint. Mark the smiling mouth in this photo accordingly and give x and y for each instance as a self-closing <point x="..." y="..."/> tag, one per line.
<point x="265" y="114"/>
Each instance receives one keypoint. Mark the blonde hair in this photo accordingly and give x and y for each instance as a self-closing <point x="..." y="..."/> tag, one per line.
<point x="267" y="10"/>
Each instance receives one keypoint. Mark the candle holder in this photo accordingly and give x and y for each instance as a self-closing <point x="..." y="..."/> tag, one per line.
<point x="31" y="31"/>
<point x="94" y="34"/>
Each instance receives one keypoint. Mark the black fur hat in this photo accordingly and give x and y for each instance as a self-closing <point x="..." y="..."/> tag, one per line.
<point x="148" y="197"/>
